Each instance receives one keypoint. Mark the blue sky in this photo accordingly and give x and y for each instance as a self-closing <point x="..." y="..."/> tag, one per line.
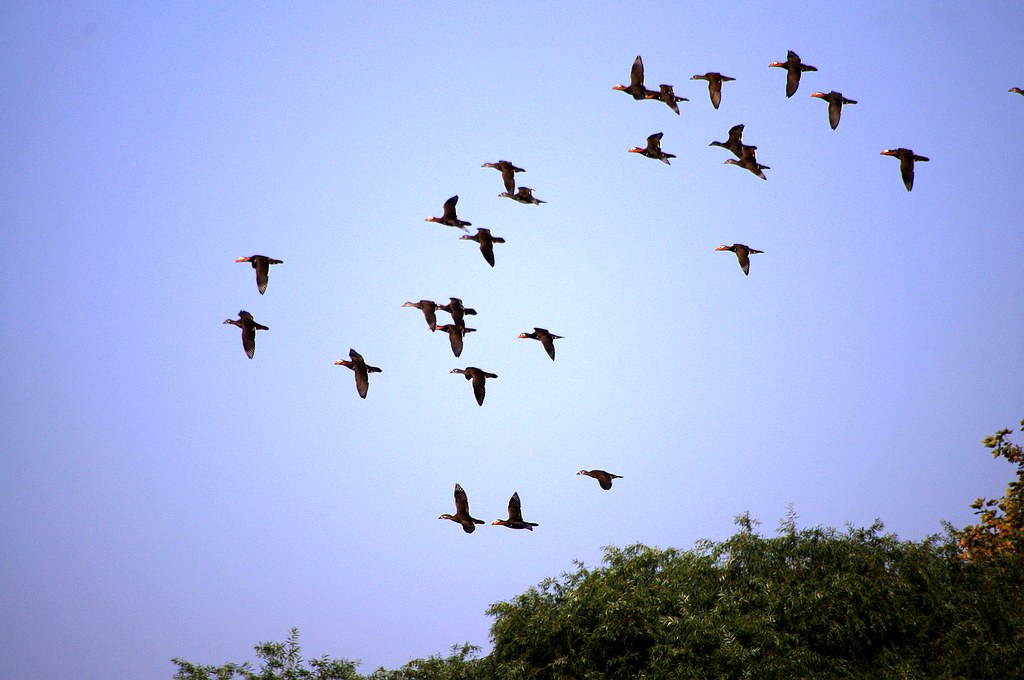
<point x="164" y="496"/>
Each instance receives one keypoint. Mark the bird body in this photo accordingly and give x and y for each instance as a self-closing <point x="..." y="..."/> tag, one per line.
<point x="743" y="254"/>
<point x="261" y="263"/>
<point x="636" y="81"/>
<point x="653" y="149"/>
<point x="547" y="340"/>
<point x="486" y="241"/>
<point x="462" y="515"/>
<point x="361" y="369"/>
<point x="835" y="100"/>
<point x="450" y="218"/>
<point x="1017" y="90"/>
<point x="515" y="516"/>
<point x="429" y="308"/>
<point x="715" y="81"/>
<point x="522" y="195"/>
<point x="603" y="478"/>
<point x="794" y="67"/>
<point x="479" y="378"/>
<point x="907" y="160"/>
<point x="249" y="328"/>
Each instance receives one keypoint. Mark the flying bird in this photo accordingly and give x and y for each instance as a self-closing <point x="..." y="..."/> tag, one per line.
<point x="508" y="173"/>
<point x="515" y="516"/>
<point x="667" y="95"/>
<point x="715" y="81"/>
<point x="735" y="141"/>
<point x="361" y="369"/>
<point x="479" y="377"/>
<point x="449" y="218"/>
<point x="636" y="81"/>
<point x="835" y="105"/>
<point x="743" y="254"/>
<point x="462" y="515"/>
<point x="547" y="340"/>
<point x="653" y="149"/>
<point x="603" y="478"/>
<point x="748" y="161"/>
<point x="261" y="263"/>
<point x="907" y="160"/>
<point x="523" y="195"/>
<point x="457" y="310"/>
<point x="428" y="307"/>
<point x="794" y="67"/>
<point x="486" y="241"/>
<point x="455" y="335"/>
<point x="1017" y="90"/>
<point x="249" y="328"/>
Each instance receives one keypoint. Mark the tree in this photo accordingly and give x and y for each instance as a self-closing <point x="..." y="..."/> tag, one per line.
<point x="1000" y="532"/>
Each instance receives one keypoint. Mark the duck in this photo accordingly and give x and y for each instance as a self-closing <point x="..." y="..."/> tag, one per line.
<point x="735" y="141"/>
<point x="515" y="516"/>
<point x="249" y="328"/>
<point x="455" y="335"/>
<point x="523" y="195"/>
<point x="653" y="149"/>
<point x="449" y="218"/>
<point x="479" y="377"/>
<point x="748" y="161"/>
<point x="636" y="81"/>
<point x="428" y="307"/>
<point x="457" y="310"/>
<point x="462" y="515"/>
<point x="907" y="160"/>
<point x="794" y="67"/>
<point x="547" y="340"/>
<point x="1017" y="90"/>
<point x="361" y="369"/>
<point x="261" y="263"/>
<point x="668" y="95"/>
<point x="603" y="478"/>
<point x="508" y="173"/>
<point x="835" y="105"/>
<point x="715" y="81"/>
<point x="743" y="254"/>
<point x="486" y="241"/>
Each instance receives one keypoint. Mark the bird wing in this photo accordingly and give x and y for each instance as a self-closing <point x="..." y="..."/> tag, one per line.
<point x="488" y="251"/>
<point x="508" y="176"/>
<point x="362" y="377"/>
<point x="835" y="110"/>
<point x="548" y="343"/>
<point x="479" y="379"/>
<point x="515" y="510"/>
<point x="455" y="338"/>
<point x="743" y="255"/>
<point x="461" y="501"/>
<point x="636" y="73"/>
<point x="654" y="141"/>
<point x="449" y="208"/>
<point x="249" y="339"/>
<point x="792" y="80"/>
<point x="715" y="90"/>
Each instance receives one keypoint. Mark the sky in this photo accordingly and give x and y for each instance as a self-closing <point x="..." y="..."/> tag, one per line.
<point x="164" y="496"/>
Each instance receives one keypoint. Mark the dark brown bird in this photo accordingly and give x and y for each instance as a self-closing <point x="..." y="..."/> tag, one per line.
<point x="479" y="377"/>
<point x="450" y="219"/>
<point x="261" y="263"/>
<point x="486" y="241"/>
<point x="794" y="67"/>
<point x="636" y="81"/>
<point x="523" y="195"/>
<point x="743" y="254"/>
<point x="1017" y="90"/>
<point x="668" y="95"/>
<point x="835" y="105"/>
<point x="735" y="141"/>
<point x="457" y="310"/>
<point x="653" y="149"/>
<point x="715" y="81"/>
<point x="907" y="159"/>
<point x="455" y="335"/>
<point x="748" y="161"/>
<point x="361" y="369"/>
<point x="603" y="478"/>
<point x="462" y="515"/>
<point x="428" y="307"/>
<point x="515" y="516"/>
<point x="508" y="173"/>
<point x="547" y="340"/>
<point x="249" y="328"/>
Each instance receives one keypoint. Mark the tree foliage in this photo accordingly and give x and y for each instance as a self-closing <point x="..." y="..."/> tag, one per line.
<point x="1000" y="531"/>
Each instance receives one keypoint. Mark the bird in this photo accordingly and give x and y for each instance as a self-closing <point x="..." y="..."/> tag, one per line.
<point x="462" y="515"/>
<point x="249" y="328"/>
<point x="547" y="340"/>
<point x="748" y="161"/>
<point x="455" y="335"/>
<point x="450" y="219"/>
<point x="457" y="310"/>
<point x="907" y="159"/>
<point x="743" y="254"/>
<point x="636" y="81"/>
<point x="715" y="81"/>
<point x="479" y="377"/>
<point x="603" y="478"/>
<point x="515" y="516"/>
<point x="361" y="369"/>
<point x="261" y="263"/>
<point x="428" y="307"/>
<point x="486" y="241"/>
<point x="523" y="195"/>
<point x="668" y="95"/>
<point x="735" y="141"/>
<point x="835" y="105"/>
<point x="794" y="67"/>
<point x="1017" y="90"/>
<point x="508" y="173"/>
<point x="653" y="149"/>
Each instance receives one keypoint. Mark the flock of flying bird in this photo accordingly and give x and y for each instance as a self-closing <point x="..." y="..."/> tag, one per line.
<point x="745" y="158"/>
